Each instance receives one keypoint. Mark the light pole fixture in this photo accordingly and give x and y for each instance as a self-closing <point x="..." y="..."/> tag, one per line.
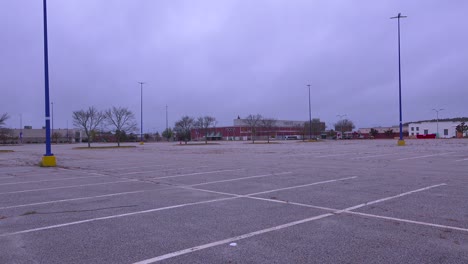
<point x="48" y="160"/>
<point x="141" y="113"/>
<point x="310" y="117"/>
<point x="341" y="125"/>
<point x="437" y="112"/>
<point x="401" y="142"/>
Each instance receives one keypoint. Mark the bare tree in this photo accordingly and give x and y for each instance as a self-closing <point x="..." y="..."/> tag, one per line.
<point x="122" y="121"/>
<point x="344" y="125"/>
<point x="253" y="121"/>
<point x="3" y="118"/>
<point x="203" y="124"/>
<point x="56" y="136"/>
<point x="268" y="124"/>
<point x="88" y="120"/>
<point x="183" y="128"/>
<point x="317" y="127"/>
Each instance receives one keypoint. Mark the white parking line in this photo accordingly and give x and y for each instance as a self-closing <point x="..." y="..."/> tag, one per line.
<point x="374" y="156"/>
<point x="140" y="191"/>
<point x="301" y="186"/>
<point x="392" y="197"/>
<point x="426" y="156"/>
<point x="7" y="177"/>
<point x="66" y="187"/>
<point x="333" y="155"/>
<point x="141" y="172"/>
<point x="63" y="179"/>
<point x="243" y="178"/>
<point x="409" y="221"/>
<point x="196" y="173"/>
<point x="263" y="231"/>
<point x="114" y="216"/>
<point x="462" y="159"/>
<point x="137" y="212"/>
<point x="72" y="199"/>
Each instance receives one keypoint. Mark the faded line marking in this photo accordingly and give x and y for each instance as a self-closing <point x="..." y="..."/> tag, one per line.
<point x="141" y="172"/>
<point x="243" y="178"/>
<point x="408" y="221"/>
<point x="300" y="186"/>
<point x="68" y="200"/>
<point x="196" y="173"/>
<point x="334" y="155"/>
<point x="65" y="187"/>
<point x="62" y="179"/>
<point x="426" y="156"/>
<point x="392" y="197"/>
<point x="113" y="216"/>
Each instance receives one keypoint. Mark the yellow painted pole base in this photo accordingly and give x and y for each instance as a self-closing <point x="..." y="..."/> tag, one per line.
<point x="48" y="161"/>
<point x="142" y="143"/>
<point x="401" y="142"/>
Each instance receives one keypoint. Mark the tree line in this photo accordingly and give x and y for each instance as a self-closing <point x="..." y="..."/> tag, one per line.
<point x="120" y="121"/>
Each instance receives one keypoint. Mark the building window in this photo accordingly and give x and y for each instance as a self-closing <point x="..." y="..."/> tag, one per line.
<point x="412" y="134"/>
<point x="426" y="131"/>
<point x="417" y="128"/>
<point x="417" y="134"/>
<point x="445" y="132"/>
<point x="412" y="128"/>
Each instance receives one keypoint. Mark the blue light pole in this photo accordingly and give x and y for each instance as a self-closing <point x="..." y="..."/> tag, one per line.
<point x="48" y="160"/>
<point x="401" y="141"/>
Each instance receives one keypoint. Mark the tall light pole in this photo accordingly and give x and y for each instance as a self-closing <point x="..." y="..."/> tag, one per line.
<point x="167" y="124"/>
<point x="437" y="112"/>
<point x="52" y="112"/>
<point x="401" y="142"/>
<point x="48" y="160"/>
<point x="310" y="117"/>
<point x="341" y="123"/>
<point x="141" y="113"/>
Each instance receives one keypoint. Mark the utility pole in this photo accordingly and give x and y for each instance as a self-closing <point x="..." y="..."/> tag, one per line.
<point x="401" y="142"/>
<point x="141" y="113"/>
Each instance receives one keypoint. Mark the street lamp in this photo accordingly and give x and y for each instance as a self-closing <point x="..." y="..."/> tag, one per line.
<point x="341" y="123"/>
<point x="141" y="113"/>
<point x="48" y="160"/>
<point x="437" y="112"/>
<point x="310" y="117"/>
<point x="401" y="142"/>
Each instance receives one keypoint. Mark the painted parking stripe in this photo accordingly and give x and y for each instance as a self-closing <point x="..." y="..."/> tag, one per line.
<point x="62" y="179"/>
<point x="72" y="199"/>
<point x="196" y="173"/>
<point x="114" y="216"/>
<point x="259" y="232"/>
<point x="140" y="191"/>
<point x="462" y="159"/>
<point x="426" y="156"/>
<point x="141" y="172"/>
<point x="235" y="196"/>
<point x="243" y="178"/>
<point x="66" y="187"/>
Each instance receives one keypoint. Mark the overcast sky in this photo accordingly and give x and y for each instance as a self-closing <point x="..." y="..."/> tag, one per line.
<point x="235" y="57"/>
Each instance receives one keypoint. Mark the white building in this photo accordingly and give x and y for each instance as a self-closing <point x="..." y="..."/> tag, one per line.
<point x="443" y="129"/>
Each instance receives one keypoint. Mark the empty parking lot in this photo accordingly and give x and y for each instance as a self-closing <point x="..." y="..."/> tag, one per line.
<point x="357" y="201"/>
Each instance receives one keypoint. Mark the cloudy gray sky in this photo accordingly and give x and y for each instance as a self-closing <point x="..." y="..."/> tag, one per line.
<point x="235" y="57"/>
